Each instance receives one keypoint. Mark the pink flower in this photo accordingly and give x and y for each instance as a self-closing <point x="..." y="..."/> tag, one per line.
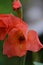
<point x="16" y="4"/>
<point x="20" y="39"/>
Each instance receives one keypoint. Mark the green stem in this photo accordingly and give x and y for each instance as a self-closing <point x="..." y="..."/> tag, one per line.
<point x="36" y="57"/>
<point x="29" y="59"/>
<point x="15" y="61"/>
<point x="22" y="60"/>
<point x="20" y="13"/>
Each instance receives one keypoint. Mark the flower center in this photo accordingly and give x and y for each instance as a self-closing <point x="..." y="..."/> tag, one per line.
<point x="21" y="38"/>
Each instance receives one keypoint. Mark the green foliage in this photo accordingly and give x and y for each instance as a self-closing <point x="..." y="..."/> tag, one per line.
<point x="6" y="7"/>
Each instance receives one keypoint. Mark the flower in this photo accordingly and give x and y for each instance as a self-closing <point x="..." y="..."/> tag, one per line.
<point x="3" y="27"/>
<point x="16" y="4"/>
<point x="20" y="39"/>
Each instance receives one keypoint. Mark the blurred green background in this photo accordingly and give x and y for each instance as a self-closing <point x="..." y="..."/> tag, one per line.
<point x="6" y="6"/>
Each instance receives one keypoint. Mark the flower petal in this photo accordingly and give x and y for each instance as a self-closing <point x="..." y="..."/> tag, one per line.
<point x="3" y="28"/>
<point x="33" y="42"/>
<point x="13" y="37"/>
<point x="3" y="33"/>
<point x="12" y="49"/>
<point x="5" y="47"/>
<point x="20" y="24"/>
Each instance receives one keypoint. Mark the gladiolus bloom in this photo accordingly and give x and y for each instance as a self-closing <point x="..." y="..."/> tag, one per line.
<point x="16" y="4"/>
<point x="20" y="39"/>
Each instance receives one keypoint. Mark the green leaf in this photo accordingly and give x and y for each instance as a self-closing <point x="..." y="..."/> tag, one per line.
<point x="6" y="7"/>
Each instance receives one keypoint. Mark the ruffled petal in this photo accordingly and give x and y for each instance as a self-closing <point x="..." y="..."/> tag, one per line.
<point x="3" y="28"/>
<point x="5" y="47"/>
<point x="20" y="24"/>
<point x="12" y="49"/>
<point x="33" y="41"/>
<point x="3" y="34"/>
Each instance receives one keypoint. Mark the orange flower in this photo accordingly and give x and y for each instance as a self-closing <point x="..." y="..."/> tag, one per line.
<point x="16" y="4"/>
<point x="20" y="39"/>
